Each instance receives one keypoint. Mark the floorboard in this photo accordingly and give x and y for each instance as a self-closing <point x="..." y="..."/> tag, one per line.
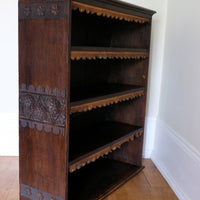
<point x="147" y="185"/>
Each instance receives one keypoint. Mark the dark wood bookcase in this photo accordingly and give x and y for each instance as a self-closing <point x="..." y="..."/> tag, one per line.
<point x="83" y="68"/>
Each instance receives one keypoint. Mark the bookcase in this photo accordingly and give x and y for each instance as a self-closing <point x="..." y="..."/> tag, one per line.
<point x="83" y="68"/>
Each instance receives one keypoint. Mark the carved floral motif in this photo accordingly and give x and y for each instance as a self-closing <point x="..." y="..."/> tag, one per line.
<point x="27" y="10"/>
<point x="41" y="10"/>
<point x="28" y="192"/>
<point x="55" y="9"/>
<point x="42" y="109"/>
<point x="35" y="194"/>
<point x="40" y="196"/>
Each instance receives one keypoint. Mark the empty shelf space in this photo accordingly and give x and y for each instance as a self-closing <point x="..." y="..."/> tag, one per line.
<point x="87" y="98"/>
<point x="78" y="53"/>
<point x="99" y="179"/>
<point x="91" y="9"/>
<point x="102" y="91"/>
<point x="89" y="144"/>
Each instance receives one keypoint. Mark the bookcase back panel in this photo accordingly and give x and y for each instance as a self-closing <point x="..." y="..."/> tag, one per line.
<point x="82" y="73"/>
<point x="121" y="72"/>
<point x="129" y="72"/>
<point x="130" y="112"/>
<point x="97" y="31"/>
<point x="130" y="152"/>
<point x="86" y="119"/>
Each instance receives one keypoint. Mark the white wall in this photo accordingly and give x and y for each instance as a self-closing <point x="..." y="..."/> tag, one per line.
<point x="177" y="133"/>
<point x="8" y="55"/>
<point x="180" y="94"/>
<point x="8" y="77"/>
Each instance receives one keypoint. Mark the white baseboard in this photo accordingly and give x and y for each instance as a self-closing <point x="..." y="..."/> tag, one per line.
<point x="149" y="133"/>
<point x="177" y="161"/>
<point x="9" y="134"/>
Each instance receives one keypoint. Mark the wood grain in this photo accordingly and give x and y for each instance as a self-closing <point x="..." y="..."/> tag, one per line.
<point x="144" y="186"/>
<point x="9" y="178"/>
<point x="78" y="55"/>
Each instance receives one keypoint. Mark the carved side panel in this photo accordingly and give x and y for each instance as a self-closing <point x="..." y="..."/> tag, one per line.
<point x="44" y="9"/>
<point x="42" y="109"/>
<point x="35" y="194"/>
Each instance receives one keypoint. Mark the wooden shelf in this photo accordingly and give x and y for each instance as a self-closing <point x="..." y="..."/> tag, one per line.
<point x="90" y="9"/>
<point x="78" y="53"/>
<point x="84" y="99"/>
<point x="98" y="140"/>
<point x="99" y="179"/>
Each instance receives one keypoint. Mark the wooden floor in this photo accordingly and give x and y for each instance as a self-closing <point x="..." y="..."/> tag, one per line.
<point x="147" y="185"/>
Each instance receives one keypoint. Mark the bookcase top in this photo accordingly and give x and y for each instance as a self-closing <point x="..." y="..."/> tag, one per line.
<point x="120" y="7"/>
<point x="115" y="5"/>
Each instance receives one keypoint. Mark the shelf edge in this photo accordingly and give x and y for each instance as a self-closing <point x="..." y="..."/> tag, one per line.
<point x="87" y="159"/>
<point x="93" y="55"/>
<point x="83" y="107"/>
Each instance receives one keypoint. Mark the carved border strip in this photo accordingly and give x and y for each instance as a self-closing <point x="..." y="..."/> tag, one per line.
<point x="40" y="90"/>
<point x="90" y="9"/>
<point x="42" y="109"/>
<point x="93" y="55"/>
<point x="105" y="102"/>
<point x="39" y="126"/>
<point x="39" y="9"/>
<point x="35" y="194"/>
<point x="77" y="165"/>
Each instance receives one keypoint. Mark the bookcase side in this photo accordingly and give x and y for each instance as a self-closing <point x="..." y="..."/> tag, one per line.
<point x="44" y="49"/>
